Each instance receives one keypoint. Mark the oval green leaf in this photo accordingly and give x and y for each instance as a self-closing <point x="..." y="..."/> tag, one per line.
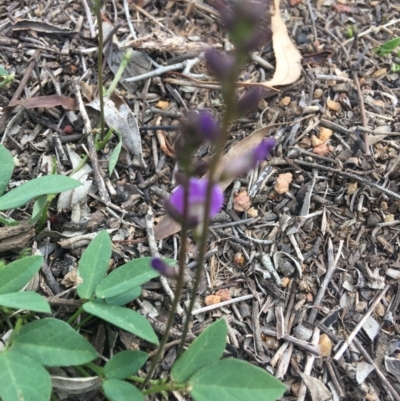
<point x="6" y="168"/>
<point x="125" y="297"/>
<point x="49" y="184"/>
<point x="124" y="364"/>
<point x="234" y="380"/>
<point x="117" y="390"/>
<point x="125" y="277"/>
<point x="53" y="342"/>
<point x="94" y="264"/>
<point x="123" y="318"/>
<point x="22" y="378"/>
<point x="206" y="349"/>
<point x="25" y="300"/>
<point x="17" y="274"/>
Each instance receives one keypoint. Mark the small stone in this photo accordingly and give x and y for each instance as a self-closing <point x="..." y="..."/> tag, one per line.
<point x="351" y="188"/>
<point x="373" y="220"/>
<point x="309" y="297"/>
<point x="241" y="202"/>
<point x="332" y="105"/>
<point x="238" y="259"/>
<point x="162" y="104"/>
<point x="271" y="342"/>
<point x="384" y="206"/>
<point x="380" y="310"/>
<point x="389" y="217"/>
<point x="282" y="183"/>
<point x="212" y="300"/>
<point x="315" y="141"/>
<point x="284" y="101"/>
<point x="361" y="307"/>
<point x="285" y="281"/>
<point x="252" y="213"/>
<point x="325" y="345"/>
<point x="325" y="134"/>
<point x="323" y="150"/>
<point x="318" y="93"/>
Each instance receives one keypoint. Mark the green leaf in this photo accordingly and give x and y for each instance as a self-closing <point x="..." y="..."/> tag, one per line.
<point x="53" y="342"/>
<point x="206" y="349"/>
<point x="125" y="277"/>
<point x="115" y="155"/>
<point x="39" y="205"/>
<point x="17" y="274"/>
<point x="388" y="47"/>
<point x="234" y="380"/>
<point x="124" y="318"/>
<point x="94" y="264"/>
<point x="6" y="168"/>
<point x="25" y="300"/>
<point x="124" y="364"/>
<point x="117" y="390"/>
<point x="9" y="222"/>
<point x="23" y="378"/>
<point x="49" y="184"/>
<point x="125" y="297"/>
<point x="395" y="67"/>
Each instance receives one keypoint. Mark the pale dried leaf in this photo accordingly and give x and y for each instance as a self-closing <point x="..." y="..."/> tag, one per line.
<point x="288" y="57"/>
<point x="317" y="389"/>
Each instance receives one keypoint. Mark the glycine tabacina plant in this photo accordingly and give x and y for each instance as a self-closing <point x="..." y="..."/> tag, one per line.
<point x="31" y="346"/>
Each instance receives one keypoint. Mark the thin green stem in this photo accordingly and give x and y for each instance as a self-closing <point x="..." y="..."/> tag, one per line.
<point x="75" y="315"/>
<point x="165" y="387"/>
<point x="96" y="369"/>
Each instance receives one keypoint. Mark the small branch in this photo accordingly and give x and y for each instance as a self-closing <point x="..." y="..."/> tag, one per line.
<point x="220" y="304"/>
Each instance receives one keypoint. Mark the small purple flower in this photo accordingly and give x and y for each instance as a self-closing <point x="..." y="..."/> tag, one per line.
<point x="197" y="200"/>
<point x="163" y="268"/>
<point x="208" y="127"/>
<point x="248" y="161"/>
<point x="219" y="63"/>
<point x="249" y="100"/>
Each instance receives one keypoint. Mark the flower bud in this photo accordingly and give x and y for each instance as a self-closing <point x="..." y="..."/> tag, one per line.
<point x="221" y="64"/>
<point x="248" y="161"/>
<point x="163" y="268"/>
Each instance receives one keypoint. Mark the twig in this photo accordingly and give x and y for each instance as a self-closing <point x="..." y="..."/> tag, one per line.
<point x="360" y="180"/>
<point x="163" y="69"/>
<point x="308" y="366"/>
<point x="89" y="18"/>
<point x="92" y="149"/>
<point x="363" y="115"/>
<point x="360" y="324"/>
<point x="385" y="381"/>
<point x="373" y="29"/>
<point x="154" y="252"/>
<point x="327" y="279"/>
<point x="150" y="17"/>
<point x="128" y="20"/>
<point x="224" y="303"/>
<point x="314" y="349"/>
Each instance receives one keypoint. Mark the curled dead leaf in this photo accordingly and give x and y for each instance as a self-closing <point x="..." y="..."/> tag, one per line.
<point x="224" y="294"/>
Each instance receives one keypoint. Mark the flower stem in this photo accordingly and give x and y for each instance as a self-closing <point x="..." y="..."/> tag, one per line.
<point x="178" y="289"/>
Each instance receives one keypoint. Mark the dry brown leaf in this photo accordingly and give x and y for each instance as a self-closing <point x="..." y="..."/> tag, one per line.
<point x="167" y="226"/>
<point x="288" y="57"/>
<point x="325" y="345"/>
<point x="318" y="390"/>
<point x="46" y="101"/>
<point x="241" y="202"/>
<point x="325" y="134"/>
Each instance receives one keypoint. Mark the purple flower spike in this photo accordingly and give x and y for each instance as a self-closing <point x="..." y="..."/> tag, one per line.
<point x="248" y="161"/>
<point x="208" y="126"/>
<point x="197" y="200"/>
<point x="249" y="100"/>
<point x="219" y="63"/>
<point x="163" y="268"/>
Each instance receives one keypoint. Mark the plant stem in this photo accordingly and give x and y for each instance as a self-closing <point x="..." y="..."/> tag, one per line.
<point x="178" y="289"/>
<point x="75" y="315"/>
<point x="228" y="90"/>
<point x="165" y="387"/>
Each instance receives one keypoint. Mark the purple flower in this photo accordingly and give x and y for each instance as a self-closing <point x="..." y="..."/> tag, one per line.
<point x="208" y="127"/>
<point x="219" y="63"/>
<point x="163" y="268"/>
<point x="249" y="100"/>
<point x="197" y="200"/>
<point x="248" y="161"/>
